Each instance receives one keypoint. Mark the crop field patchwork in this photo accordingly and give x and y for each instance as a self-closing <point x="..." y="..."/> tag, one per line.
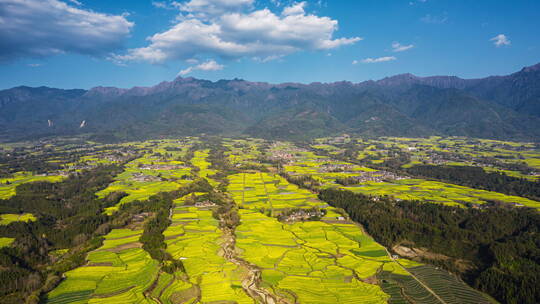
<point x="335" y="256"/>
<point x="8" y="185"/>
<point x="195" y="238"/>
<point x="243" y="151"/>
<point x="258" y="234"/>
<point x="147" y="176"/>
<point x="308" y="164"/>
<point x="437" y="192"/>
<point x="448" y="287"/>
<point x="5" y="241"/>
<point x="199" y="161"/>
<point x="6" y="219"/>
<point x="117" y="272"/>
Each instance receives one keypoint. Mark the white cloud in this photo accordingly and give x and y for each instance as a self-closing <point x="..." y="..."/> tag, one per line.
<point x="209" y="65"/>
<point x="295" y="9"/>
<point x="34" y="65"/>
<point x="207" y="9"/>
<point x="259" y="34"/>
<point x="434" y="19"/>
<point x="35" y="28"/>
<point x="398" y="47"/>
<point x="500" y="40"/>
<point x="161" y="4"/>
<point x="355" y="62"/>
<point x="380" y="59"/>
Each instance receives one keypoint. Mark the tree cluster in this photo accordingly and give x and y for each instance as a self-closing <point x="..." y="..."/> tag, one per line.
<point x="503" y="244"/>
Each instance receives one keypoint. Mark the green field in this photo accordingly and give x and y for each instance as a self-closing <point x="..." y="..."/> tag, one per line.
<point x="263" y="246"/>
<point x="4" y="241"/>
<point x="8" y="185"/>
<point x="149" y="175"/>
<point x="117" y="272"/>
<point x="195" y="238"/>
<point x="200" y="161"/>
<point x="336" y="256"/>
<point x="437" y="192"/>
<point x="308" y="163"/>
<point x="6" y="219"/>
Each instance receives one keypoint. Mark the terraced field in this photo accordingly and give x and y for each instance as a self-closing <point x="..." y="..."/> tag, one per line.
<point x="195" y="238"/>
<point x="267" y="256"/>
<point x="8" y="185"/>
<point x="147" y="176"/>
<point x="438" y="192"/>
<point x="243" y="151"/>
<point x="5" y="241"/>
<point x="120" y="271"/>
<point x="200" y="161"/>
<point x="448" y="287"/>
<point x="272" y="192"/>
<point x="6" y="219"/>
<point x="308" y="163"/>
<point x="336" y="256"/>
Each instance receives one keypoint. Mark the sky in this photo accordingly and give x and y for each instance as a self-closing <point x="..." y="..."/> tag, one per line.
<point x="126" y="43"/>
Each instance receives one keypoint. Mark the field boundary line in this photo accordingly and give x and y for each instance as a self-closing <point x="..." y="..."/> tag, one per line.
<point x="417" y="279"/>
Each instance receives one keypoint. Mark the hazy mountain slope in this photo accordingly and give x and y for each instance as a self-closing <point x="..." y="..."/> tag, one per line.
<point x="503" y="107"/>
<point x="519" y="91"/>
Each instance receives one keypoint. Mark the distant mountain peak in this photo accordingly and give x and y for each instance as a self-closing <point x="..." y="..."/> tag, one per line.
<point x="104" y="92"/>
<point x="401" y="79"/>
<point x="532" y="68"/>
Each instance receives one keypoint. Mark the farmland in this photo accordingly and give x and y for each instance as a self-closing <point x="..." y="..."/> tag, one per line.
<point x="198" y="220"/>
<point x="332" y="254"/>
<point x="195" y="238"/>
<point x="4" y="242"/>
<point x="6" y="219"/>
<point x="437" y="192"/>
<point x="380" y="182"/>
<point x="157" y="171"/>
<point x="8" y="185"/>
<point x="117" y="272"/>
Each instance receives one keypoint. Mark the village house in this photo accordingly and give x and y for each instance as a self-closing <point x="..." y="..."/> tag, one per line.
<point x="139" y="177"/>
<point x="205" y="204"/>
<point x="301" y="215"/>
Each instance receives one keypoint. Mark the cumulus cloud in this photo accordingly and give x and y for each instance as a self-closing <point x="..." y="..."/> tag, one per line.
<point x="258" y="34"/>
<point x="206" y="9"/>
<point x="500" y="40"/>
<point x="380" y="59"/>
<point x="162" y="4"/>
<point x="398" y="47"/>
<point x="36" y="28"/>
<point x="295" y="9"/>
<point x="209" y="65"/>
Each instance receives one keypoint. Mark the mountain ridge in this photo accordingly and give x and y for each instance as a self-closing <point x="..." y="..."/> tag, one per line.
<point x="501" y="107"/>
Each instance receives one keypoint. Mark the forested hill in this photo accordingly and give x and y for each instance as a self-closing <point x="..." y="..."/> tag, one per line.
<point x="500" y="107"/>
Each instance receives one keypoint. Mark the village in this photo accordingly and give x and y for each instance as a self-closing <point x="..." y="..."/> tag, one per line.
<point x="301" y="215"/>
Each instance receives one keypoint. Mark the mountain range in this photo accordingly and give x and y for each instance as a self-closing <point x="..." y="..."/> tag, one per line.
<point x="498" y="107"/>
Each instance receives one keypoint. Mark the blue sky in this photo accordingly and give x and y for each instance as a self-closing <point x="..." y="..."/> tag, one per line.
<point x="125" y="43"/>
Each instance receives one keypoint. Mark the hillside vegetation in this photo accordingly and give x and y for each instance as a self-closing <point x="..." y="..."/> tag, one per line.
<point x="404" y="105"/>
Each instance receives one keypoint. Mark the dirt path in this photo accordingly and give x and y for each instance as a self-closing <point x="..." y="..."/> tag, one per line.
<point x="251" y="282"/>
